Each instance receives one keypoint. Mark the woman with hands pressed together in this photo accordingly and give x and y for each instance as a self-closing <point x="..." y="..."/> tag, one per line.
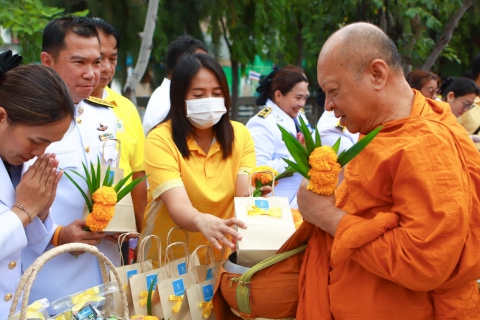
<point x="35" y="110"/>
<point x="197" y="160"/>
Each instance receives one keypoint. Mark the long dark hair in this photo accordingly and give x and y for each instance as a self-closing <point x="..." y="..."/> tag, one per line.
<point x="35" y="95"/>
<point x="183" y="74"/>
<point x="283" y="79"/>
<point x="459" y="86"/>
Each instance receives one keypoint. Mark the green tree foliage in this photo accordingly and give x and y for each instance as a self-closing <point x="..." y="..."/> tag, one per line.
<point x="26" y="20"/>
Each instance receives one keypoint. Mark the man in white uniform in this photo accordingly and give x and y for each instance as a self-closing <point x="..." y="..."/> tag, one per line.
<point x="71" y="47"/>
<point x="159" y="103"/>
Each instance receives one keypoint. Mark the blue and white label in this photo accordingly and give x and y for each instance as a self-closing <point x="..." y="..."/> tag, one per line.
<point x="262" y="204"/>
<point x="209" y="275"/>
<point x="178" y="287"/>
<point x="150" y="279"/>
<point x="182" y="268"/>
<point x="207" y="291"/>
<point x="131" y="273"/>
<point x="111" y="175"/>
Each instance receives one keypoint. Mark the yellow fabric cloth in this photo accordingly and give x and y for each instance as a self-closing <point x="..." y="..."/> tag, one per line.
<point x="470" y="120"/>
<point x="130" y="132"/>
<point x="208" y="179"/>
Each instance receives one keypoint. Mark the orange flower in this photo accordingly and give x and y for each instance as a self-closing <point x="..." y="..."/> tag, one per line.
<point x="324" y="182"/>
<point x="264" y="177"/>
<point x="323" y="158"/>
<point x="95" y="224"/>
<point x="102" y="212"/>
<point x="105" y="195"/>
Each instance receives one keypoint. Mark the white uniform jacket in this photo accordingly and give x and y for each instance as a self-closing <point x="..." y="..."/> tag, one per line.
<point x="13" y="239"/>
<point x="270" y="148"/>
<point x="330" y="130"/>
<point x="158" y="107"/>
<point x="67" y="274"/>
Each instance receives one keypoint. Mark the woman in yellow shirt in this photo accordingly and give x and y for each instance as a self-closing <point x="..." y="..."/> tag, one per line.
<point x="197" y="160"/>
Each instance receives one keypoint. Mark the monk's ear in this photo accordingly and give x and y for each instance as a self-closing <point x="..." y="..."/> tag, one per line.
<point x="379" y="73"/>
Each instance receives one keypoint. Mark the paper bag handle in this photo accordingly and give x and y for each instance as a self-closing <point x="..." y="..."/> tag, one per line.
<point x="119" y="151"/>
<point x="222" y="254"/>
<point x="120" y="240"/>
<point x="179" y="229"/>
<point x="141" y="250"/>
<point x="250" y="174"/>
<point x="210" y="256"/>
<point x="167" y="256"/>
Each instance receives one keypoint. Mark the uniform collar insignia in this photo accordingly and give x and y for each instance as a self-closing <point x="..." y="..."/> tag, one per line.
<point x="97" y="102"/>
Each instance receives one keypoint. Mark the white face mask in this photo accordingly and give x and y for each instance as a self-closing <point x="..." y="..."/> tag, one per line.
<point x="205" y="113"/>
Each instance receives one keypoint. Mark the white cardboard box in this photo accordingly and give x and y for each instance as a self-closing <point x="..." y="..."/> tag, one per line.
<point x="264" y="234"/>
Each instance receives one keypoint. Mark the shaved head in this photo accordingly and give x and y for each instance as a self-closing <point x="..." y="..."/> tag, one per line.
<point x="358" y="44"/>
<point x="360" y="72"/>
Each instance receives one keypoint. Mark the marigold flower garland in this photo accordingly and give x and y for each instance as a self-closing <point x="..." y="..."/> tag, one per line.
<point x="104" y="196"/>
<point x="263" y="176"/>
<point x="317" y="163"/>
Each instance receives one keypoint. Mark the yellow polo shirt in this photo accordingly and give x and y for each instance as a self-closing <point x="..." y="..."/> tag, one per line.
<point x="129" y="131"/>
<point x="208" y="179"/>
<point x="470" y="120"/>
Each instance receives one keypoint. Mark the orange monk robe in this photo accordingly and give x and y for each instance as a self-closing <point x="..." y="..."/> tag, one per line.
<point x="409" y="247"/>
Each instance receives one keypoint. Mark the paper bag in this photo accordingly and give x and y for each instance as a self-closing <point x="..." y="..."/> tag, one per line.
<point x="172" y="290"/>
<point x="204" y="271"/>
<point x="200" y="294"/>
<point x="125" y="272"/>
<point x="108" y="153"/>
<point x="178" y="267"/>
<point x="140" y="283"/>
<point x="265" y="233"/>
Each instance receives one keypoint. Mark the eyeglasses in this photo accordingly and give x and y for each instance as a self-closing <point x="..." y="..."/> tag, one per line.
<point x="467" y="105"/>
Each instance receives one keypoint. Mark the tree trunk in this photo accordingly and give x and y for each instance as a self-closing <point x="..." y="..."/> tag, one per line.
<point x="144" y="54"/>
<point x="447" y="35"/>
<point x="234" y="96"/>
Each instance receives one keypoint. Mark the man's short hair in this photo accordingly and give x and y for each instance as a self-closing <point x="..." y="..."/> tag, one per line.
<point x="107" y="28"/>
<point x="183" y="44"/>
<point x="54" y="33"/>
<point x="363" y="43"/>
<point x="476" y="67"/>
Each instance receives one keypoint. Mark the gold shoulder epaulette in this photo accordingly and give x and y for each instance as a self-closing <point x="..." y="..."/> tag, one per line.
<point x="339" y="126"/>
<point x="302" y="110"/>
<point x="264" y="112"/>
<point x="98" y="102"/>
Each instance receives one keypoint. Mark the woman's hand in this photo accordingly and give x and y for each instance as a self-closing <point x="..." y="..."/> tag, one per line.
<point x="215" y="229"/>
<point x="37" y="187"/>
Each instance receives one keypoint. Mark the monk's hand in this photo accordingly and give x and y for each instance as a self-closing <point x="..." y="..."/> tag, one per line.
<point x="318" y="209"/>
<point x="214" y="229"/>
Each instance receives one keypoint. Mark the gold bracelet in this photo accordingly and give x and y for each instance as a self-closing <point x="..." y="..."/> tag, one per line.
<point x="19" y="206"/>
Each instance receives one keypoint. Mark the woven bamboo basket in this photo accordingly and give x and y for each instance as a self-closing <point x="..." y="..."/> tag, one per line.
<point x="26" y="281"/>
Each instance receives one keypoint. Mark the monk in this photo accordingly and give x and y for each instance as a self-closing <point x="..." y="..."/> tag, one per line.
<point x="400" y="238"/>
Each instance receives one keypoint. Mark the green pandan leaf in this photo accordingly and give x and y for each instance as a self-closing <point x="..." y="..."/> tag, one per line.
<point x="291" y="141"/>
<point x="150" y="294"/>
<point x="99" y="174"/>
<point x="285" y="174"/>
<point x="106" y="179"/>
<point x="297" y="168"/>
<point x="120" y="183"/>
<point x="128" y="188"/>
<point x="336" y="145"/>
<point x="309" y="143"/>
<point x="87" y="200"/>
<point x="88" y="178"/>
<point x="318" y="140"/>
<point x="351" y="153"/>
